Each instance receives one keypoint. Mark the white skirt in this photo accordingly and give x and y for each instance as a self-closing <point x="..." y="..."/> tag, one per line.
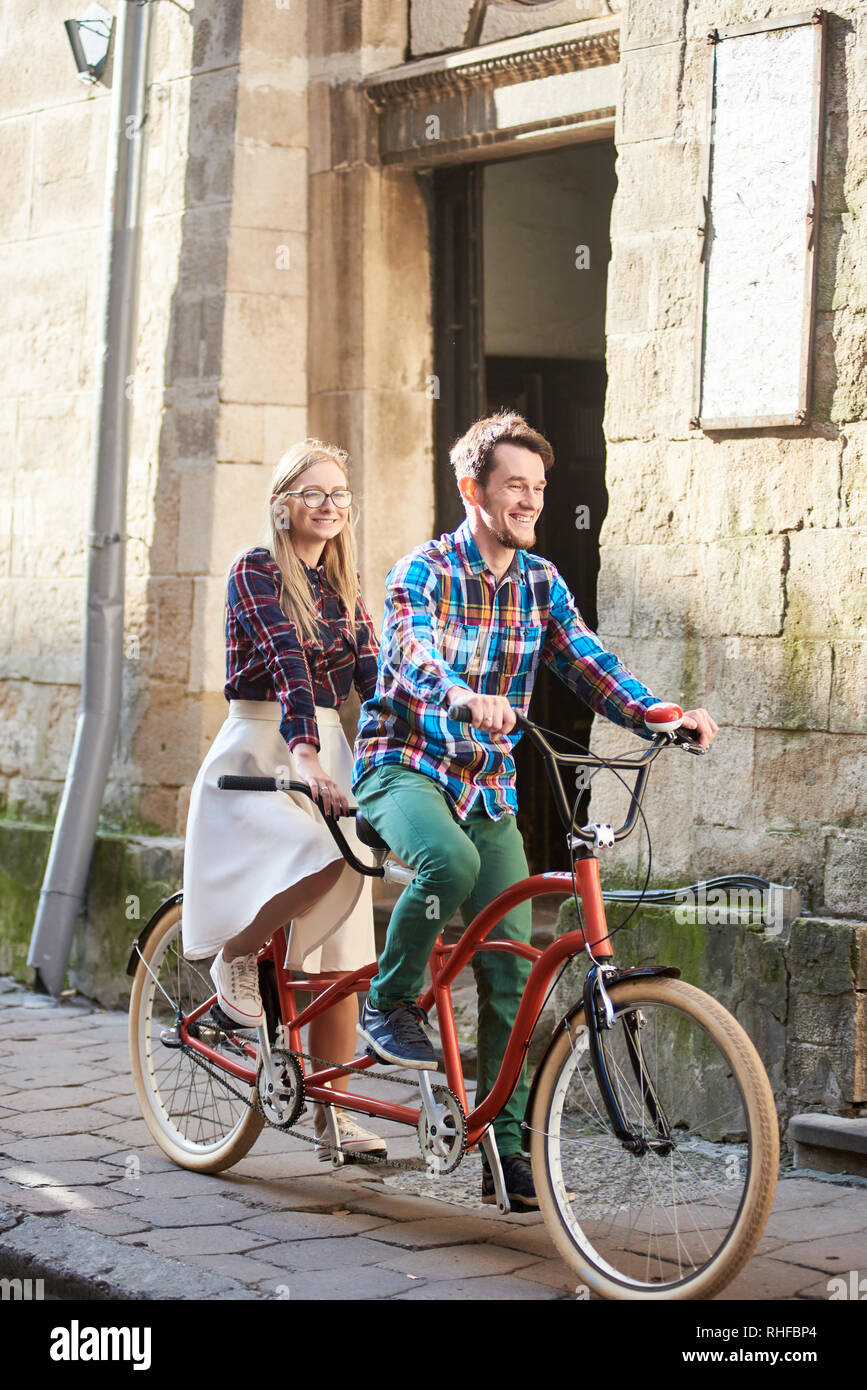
<point x="243" y="848"/>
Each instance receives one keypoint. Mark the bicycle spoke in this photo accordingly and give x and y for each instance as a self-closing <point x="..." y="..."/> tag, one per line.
<point x="188" y="1100"/>
<point x="653" y="1215"/>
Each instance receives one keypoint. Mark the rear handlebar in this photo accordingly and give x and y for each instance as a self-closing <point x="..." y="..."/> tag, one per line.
<point x="230" y="782"/>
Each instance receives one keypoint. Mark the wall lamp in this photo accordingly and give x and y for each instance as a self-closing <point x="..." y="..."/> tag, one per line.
<point x="89" y="38"/>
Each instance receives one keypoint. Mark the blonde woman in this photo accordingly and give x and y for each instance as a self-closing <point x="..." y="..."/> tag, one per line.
<point x="254" y="863"/>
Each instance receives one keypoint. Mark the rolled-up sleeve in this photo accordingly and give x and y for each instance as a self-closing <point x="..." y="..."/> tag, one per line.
<point x="409" y="651"/>
<point x="596" y="676"/>
<point x="253" y="599"/>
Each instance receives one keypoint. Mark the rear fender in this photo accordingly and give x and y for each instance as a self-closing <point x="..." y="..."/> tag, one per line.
<point x="141" y="939"/>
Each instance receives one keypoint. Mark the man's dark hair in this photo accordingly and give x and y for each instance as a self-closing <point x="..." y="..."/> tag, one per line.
<point x="472" y="455"/>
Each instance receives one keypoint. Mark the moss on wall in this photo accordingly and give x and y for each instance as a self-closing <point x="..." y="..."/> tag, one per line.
<point x="129" y="876"/>
<point x="25" y="849"/>
<point x="794" y="993"/>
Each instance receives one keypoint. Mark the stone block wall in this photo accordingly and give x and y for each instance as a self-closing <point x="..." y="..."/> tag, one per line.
<point x="234" y="390"/>
<point x="734" y="565"/>
<point x="286" y="288"/>
<point x="130" y="876"/>
<point x="219" y="392"/>
<point x="370" y="341"/>
<point x="52" y="144"/>
<point x="437" y="27"/>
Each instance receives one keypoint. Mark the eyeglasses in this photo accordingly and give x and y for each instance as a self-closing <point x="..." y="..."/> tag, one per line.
<point x="314" y="497"/>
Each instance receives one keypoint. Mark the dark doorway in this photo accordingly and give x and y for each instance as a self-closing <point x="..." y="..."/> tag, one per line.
<point x="459" y="383"/>
<point x="519" y="327"/>
<point x="564" y="400"/>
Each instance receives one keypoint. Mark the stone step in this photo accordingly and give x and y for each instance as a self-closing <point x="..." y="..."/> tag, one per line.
<point x="830" y="1143"/>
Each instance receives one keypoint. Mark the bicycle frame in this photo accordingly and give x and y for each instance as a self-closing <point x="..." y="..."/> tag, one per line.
<point x="446" y="963"/>
<point x="653" y="1079"/>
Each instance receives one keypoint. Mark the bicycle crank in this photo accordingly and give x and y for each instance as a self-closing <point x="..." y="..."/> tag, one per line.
<point x="441" y="1152"/>
<point x="442" y="1127"/>
<point x="280" y="1089"/>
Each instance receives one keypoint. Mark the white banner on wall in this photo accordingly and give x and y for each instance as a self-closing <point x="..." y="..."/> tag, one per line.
<point x="761" y="220"/>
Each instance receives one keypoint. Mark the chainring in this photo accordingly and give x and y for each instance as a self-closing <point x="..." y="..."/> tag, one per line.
<point x="264" y="1108"/>
<point x="454" y="1140"/>
<point x="282" y="1106"/>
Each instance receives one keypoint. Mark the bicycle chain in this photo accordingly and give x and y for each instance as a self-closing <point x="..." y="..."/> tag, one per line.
<point x="368" y="1159"/>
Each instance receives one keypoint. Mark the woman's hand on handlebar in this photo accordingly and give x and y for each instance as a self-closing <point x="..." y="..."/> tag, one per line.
<point x="491" y="713"/>
<point x="328" y="796"/>
<point x="701" y="722"/>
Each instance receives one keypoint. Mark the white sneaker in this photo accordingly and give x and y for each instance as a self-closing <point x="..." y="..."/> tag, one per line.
<point x="353" y="1139"/>
<point x="237" y="983"/>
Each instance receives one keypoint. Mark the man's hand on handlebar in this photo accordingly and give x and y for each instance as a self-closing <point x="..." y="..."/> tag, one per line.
<point x="491" y="713"/>
<point x="701" y="722"/>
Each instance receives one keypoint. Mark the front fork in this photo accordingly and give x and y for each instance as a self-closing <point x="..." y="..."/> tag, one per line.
<point x="599" y="1016"/>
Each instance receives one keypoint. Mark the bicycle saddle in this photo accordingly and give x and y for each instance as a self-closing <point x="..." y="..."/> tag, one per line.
<point x="366" y="833"/>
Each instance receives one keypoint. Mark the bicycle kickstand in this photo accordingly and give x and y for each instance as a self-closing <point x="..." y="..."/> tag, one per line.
<point x="332" y="1137"/>
<point x="492" y="1154"/>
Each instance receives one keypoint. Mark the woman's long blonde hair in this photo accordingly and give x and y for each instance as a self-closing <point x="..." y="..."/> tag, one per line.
<point x="338" y="556"/>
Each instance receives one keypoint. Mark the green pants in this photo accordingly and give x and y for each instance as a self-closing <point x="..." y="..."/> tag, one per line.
<point x="459" y="864"/>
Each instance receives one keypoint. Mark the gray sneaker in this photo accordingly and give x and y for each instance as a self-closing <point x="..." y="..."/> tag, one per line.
<point x="397" y="1036"/>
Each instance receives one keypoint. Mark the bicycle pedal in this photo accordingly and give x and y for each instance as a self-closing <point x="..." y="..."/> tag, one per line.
<point x="226" y="1024"/>
<point x="347" y="1158"/>
<point x="374" y="1056"/>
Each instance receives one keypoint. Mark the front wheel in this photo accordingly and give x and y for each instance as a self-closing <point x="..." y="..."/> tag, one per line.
<point x="195" y="1119"/>
<point x="677" y="1210"/>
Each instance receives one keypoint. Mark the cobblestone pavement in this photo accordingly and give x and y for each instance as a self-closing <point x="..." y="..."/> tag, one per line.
<point x="89" y="1203"/>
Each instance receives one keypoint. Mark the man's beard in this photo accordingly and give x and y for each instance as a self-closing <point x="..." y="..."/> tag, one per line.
<point x="510" y="542"/>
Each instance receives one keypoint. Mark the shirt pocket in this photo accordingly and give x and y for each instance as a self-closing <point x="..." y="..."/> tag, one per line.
<point x="461" y="646"/>
<point x="517" y="656"/>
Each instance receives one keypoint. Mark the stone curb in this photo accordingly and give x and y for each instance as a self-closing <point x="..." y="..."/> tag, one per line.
<point x="831" y="1132"/>
<point x="832" y="1143"/>
<point x="80" y="1264"/>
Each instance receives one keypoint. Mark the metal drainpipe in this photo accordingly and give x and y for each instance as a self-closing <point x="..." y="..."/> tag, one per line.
<point x="63" y="887"/>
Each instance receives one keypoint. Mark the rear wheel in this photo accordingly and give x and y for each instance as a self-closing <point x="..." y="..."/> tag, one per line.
<point x="192" y="1116"/>
<point x="677" y="1211"/>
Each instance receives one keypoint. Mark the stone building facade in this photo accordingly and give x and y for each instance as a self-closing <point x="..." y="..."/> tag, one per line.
<point x="301" y="158"/>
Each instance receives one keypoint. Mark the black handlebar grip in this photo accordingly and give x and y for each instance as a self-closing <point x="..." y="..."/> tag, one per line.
<point x="229" y="783"/>
<point x="460" y="713"/>
<point x="463" y="715"/>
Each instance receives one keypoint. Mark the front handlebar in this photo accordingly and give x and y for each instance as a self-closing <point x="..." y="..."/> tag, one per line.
<point x="552" y="759"/>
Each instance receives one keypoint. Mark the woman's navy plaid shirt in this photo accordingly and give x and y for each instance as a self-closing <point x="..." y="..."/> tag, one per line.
<point x="266" y="660"/>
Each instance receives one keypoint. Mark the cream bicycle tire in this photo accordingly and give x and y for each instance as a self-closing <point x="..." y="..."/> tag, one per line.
<point x="607" y="1241"/>
<point x="195" y="1121"/>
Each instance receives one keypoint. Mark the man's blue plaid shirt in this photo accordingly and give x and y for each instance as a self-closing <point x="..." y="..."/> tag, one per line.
<point x="449" y="623"/>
